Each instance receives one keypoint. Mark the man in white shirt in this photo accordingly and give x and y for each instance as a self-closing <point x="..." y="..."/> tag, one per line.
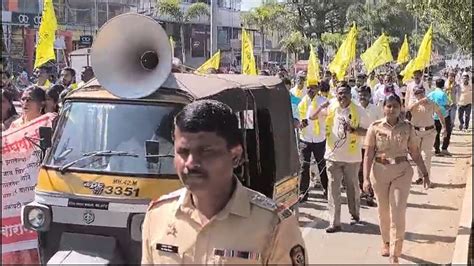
<point x="346" y="123"/>
<point x="359" y="82"/>
<point x="386" y="88"/>
<point x="312" y="137"/>
<point x="464" y="102"/>
<point x="373" y="113"/>
<point x="415" y="83"/>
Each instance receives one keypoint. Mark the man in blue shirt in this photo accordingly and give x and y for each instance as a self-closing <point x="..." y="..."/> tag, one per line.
<point x="440" y="97"/>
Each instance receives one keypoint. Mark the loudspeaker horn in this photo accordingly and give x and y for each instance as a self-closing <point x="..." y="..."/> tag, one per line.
<point x="131" y="56"/>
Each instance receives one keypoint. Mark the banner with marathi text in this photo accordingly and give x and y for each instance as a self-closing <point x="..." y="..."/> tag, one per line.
<point x="20" y="165"/>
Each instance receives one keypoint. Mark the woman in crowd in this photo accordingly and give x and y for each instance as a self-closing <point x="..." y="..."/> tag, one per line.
<point x="52" y="99"/>
<point x="33" y="101"/>
<point x="9" y="113"/>
<point x="388" y="142"/>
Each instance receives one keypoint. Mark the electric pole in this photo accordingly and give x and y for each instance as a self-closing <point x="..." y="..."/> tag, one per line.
<point x="213" y="36"/>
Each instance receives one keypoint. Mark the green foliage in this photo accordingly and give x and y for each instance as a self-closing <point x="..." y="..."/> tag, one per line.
<point x="387" y="17"/>
<point x="294" y="43"/>
<point x="453" y="19"/>
<point x="173" y="9"/>
<point x="196" y="10"/>
<point x="333" y="40"/>
<point x="313" y="18"/>
<point x="268" y="17"/>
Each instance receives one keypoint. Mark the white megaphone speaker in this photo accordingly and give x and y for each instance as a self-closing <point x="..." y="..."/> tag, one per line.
<point x="131" y="56"/>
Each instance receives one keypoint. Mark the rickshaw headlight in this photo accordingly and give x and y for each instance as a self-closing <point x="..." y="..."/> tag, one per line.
<point x="136" y="227"/>
<point x="36" y="216"/>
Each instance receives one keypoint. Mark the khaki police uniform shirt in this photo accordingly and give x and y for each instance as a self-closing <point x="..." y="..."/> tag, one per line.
<point x="391" y="142"/>
<point x="249" y="230"/>
<point x="422" y="115"/>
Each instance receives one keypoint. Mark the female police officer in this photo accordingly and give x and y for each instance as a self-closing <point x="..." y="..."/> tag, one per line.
<point x="387" y="142"/>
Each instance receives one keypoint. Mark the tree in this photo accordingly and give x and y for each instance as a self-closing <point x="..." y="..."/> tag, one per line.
<point x="313" y="18"/>
<point x="293" y="44"/>
<point x="387" y="17"/>
<point x="265" y="18"/>
<point x="173" y="9"/>
<point x="452" y="18"/>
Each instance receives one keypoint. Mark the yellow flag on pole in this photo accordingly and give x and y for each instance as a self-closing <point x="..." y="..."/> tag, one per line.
<point x="212" y="62"/>
<point x="313" y="68"/>
<point x="423" y="57"/>
<point x="404" y="53"/>
<point x="248" y="59"/>
<point x="345" y="54"/>
<point x="377" y="54"/>
<point x="46" y="35"/>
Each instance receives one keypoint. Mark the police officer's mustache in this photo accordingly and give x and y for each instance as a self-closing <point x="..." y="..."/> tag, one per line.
<point x="193" y="172"/>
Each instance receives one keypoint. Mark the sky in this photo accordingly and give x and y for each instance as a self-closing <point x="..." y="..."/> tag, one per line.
<point x="248" y="4"/>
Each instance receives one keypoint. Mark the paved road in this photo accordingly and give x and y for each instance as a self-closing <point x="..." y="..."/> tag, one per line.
<point x="432" y="218"/>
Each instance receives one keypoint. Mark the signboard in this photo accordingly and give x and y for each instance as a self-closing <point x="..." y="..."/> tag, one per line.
<point x="86" y="40"/>
<point x="20" y="165"/>
<point x="26" y="19"/>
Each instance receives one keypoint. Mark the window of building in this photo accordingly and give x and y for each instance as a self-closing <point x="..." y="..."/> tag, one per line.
<point x="28" y="6"/>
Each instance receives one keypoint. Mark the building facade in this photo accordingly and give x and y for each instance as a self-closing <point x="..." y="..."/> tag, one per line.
<point x="78" y="22"/>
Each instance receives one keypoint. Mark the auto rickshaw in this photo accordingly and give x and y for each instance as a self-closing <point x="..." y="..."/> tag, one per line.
<point x="112" y="149"/>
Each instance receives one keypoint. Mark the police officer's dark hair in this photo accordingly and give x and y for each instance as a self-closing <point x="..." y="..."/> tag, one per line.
<point x="210" y="116"/>
<point x="392" y="97"/>
<point x="439" y="83"/>
<point x="71" y="71"/>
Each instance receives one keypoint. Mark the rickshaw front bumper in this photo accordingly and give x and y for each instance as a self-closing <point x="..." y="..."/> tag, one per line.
<point x="86" y="249"/>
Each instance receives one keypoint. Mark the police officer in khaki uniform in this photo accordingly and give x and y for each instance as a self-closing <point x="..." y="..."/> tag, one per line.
<point x="388" y="141"/>
<point x="422" y="110"/>
<point x="214" y="219"/>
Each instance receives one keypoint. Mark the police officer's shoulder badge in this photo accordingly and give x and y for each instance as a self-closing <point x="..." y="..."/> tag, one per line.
<point x="263" y="201"/>
<point x="297" y="255"/>
<point x="283" y="212"/>
<point x="164" y="198"/>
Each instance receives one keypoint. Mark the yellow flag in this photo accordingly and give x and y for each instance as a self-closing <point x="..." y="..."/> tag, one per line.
<point x="46" y="35"/>
<point x="345" y="54"/>
<point x="377" y="54"/>
<point x="248" y="59"/>
<point x="423" y="57"/>
<point x="404" y="53"/>
<point x="172" y="46"/>
<point x="313" y="68"/>
<point x="212" y="62"/>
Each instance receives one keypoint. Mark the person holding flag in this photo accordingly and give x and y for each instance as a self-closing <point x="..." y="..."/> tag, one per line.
<point x="45" y="46"/>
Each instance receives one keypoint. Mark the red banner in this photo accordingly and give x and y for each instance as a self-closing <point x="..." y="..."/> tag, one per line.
<point x="21" y="159"/>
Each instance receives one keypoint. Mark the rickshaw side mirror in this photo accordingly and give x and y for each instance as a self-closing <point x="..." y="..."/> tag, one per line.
<point x="152" y="150"/>
<point x="46" y="134"/>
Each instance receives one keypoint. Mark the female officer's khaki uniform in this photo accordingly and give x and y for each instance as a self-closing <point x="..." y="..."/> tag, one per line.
<point x="423" y="121"/>
<point x="391" y="176"/>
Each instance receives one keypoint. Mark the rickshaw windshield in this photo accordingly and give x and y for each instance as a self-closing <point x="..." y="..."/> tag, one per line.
<point x="90" y="127"/>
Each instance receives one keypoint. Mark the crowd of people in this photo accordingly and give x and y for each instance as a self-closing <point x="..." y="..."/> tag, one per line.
<point x="360" y="132"/>
<point x="45" y="94"/>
